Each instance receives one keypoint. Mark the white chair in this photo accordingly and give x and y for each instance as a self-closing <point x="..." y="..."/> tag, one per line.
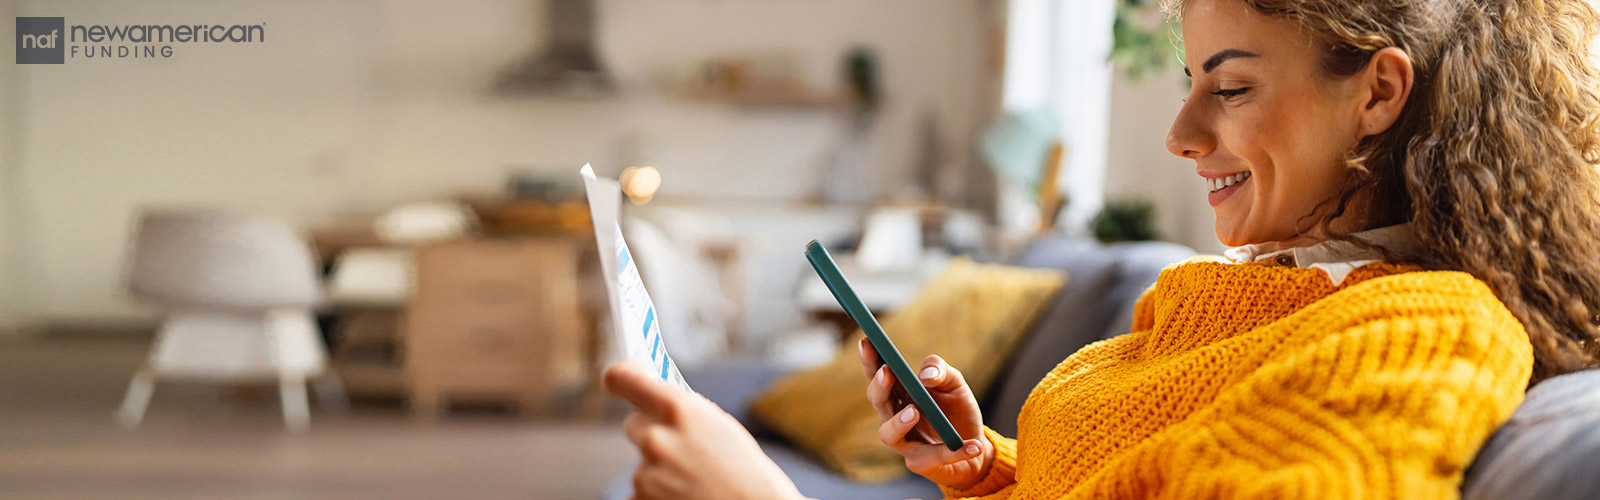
<point x="239" y="291"/>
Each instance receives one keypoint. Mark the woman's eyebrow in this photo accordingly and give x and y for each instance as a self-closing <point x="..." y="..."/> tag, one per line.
<point x="1217" y="59"/>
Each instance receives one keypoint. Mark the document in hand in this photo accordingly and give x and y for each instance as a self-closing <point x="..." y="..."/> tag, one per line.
<point x="633" y="315"/>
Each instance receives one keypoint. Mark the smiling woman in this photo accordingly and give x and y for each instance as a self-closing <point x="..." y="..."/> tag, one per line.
<point x="1412" y="188"/>
<point x="1261" y="108"/>
<point x="1491" y="165"/>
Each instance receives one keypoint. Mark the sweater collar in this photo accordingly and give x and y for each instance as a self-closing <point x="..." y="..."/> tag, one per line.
<point x="1337" y="258"/>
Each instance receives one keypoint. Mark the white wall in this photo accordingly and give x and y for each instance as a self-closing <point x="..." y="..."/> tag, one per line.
<point x="1139" y="164"/>
<point x="245" y="125"/>
<point x="16" y="314"/>
<point x="354" y="106"/>
<point x="8" y="286"/>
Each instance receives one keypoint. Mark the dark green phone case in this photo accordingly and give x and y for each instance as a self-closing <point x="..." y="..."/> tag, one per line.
<point x="829" y="271"/>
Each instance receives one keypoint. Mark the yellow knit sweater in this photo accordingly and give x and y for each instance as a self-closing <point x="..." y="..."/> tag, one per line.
<point x="1258" y="381"/>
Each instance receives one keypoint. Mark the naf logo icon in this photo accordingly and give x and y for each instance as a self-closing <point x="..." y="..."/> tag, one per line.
<point x="41" y="40"/>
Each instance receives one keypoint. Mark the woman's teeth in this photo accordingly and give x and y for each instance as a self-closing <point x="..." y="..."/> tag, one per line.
<point x="1222" y="182"/>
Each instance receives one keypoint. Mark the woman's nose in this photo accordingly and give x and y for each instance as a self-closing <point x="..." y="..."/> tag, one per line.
<point x="1189" y="137"/>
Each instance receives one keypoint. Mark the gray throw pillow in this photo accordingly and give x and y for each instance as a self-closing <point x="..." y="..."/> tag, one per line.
<point x="1550" y="449"/>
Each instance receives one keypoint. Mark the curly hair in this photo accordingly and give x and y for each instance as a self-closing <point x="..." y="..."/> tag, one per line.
<point x="1492" y="160"/>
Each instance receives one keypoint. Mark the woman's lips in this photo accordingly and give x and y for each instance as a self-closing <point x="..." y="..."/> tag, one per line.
<point x="1218" y="196"/>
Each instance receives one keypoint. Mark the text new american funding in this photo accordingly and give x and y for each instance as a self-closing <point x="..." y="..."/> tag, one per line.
<point x="111" y="40"/>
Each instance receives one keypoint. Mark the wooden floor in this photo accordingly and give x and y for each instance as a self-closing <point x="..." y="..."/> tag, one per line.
<point x="57" y="440"/>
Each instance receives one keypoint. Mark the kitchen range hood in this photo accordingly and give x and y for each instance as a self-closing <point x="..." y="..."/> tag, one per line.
<point x="569" y="65"/>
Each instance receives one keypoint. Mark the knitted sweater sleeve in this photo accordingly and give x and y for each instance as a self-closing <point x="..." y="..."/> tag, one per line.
<point x="1002" y="472"/>
<point x="996" y="484"/>
<point x="1390" y="399"/>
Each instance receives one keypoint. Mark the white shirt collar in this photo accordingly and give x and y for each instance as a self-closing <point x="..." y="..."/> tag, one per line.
<point x="1337" y="258"/>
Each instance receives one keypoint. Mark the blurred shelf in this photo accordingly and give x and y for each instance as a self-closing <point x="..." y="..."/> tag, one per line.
<point x="775" y="97"/>
<point x="511" y="216"/>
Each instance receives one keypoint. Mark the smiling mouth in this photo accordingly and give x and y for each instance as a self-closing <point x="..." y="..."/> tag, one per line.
<point x="1221" y="182"/>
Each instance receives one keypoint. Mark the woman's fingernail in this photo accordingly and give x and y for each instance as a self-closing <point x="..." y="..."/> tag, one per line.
<point x="930" y="372"/>
<point x="879" y="377"/>
<point x="909" y="413"/>
<point x="972" y="449"/>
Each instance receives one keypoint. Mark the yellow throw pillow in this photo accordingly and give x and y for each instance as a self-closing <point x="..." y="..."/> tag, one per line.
<point x="972" y="314"/>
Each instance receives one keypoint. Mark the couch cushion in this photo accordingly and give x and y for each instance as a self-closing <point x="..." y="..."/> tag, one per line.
<point x="1076" y="316"/>
<point x="1550" y="449"/>
<point x="732" y="384"/>
<point x="814" y="480"/>
<point x="1139" y="264"/>
<point x="972" y="314"/>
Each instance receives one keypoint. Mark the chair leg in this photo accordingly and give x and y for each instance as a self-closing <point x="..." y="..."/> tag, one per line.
<point x="296" y="409"/>
<point x="330" y="392"/>
<point x="137" y="400"/>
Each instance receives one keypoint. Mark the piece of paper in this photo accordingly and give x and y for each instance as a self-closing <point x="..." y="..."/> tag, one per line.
<point x="633" y="315"/>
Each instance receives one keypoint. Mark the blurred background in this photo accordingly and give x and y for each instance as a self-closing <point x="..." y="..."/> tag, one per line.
<point x="353" y="259"/>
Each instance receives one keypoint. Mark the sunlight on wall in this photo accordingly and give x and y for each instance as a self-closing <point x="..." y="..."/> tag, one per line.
<point x="1057" y="55"/>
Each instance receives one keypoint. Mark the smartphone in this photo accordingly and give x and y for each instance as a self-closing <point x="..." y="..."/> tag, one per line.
<point x="829" y="271"/>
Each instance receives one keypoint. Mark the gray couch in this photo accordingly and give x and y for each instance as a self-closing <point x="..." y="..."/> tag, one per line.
<point x="1097" y="303"/>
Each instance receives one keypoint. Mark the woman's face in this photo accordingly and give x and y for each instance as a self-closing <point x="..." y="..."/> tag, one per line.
<point x="1262" y="116"/>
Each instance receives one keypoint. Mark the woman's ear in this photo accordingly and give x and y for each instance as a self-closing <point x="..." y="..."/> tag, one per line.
<point x="1387" y="79"/>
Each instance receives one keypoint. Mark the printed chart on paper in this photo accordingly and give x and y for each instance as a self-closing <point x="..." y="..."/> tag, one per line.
<point x="633" y="314"/>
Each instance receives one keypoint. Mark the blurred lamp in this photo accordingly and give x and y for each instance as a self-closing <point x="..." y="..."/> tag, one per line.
<point x="1018" y="144"/>
<point x="640" y="183"/>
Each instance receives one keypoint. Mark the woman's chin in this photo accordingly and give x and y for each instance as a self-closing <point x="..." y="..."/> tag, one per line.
<point x="1230" y="234"/>
<point x="1232" y="242"/>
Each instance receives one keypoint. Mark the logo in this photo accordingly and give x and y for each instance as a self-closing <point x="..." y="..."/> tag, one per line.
<point x="48" y="40"/>
<point x="41" y="40"/>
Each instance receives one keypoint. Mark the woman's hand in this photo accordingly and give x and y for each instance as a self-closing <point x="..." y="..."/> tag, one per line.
<point x="959" y="469"/>
<point x="691" y="448"/>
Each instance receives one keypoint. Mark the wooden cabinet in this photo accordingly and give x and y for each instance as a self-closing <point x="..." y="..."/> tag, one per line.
<point x="494" y="318"/>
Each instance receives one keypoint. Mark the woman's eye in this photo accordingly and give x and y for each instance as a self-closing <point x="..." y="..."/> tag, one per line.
<point x="1230" y="93"/>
